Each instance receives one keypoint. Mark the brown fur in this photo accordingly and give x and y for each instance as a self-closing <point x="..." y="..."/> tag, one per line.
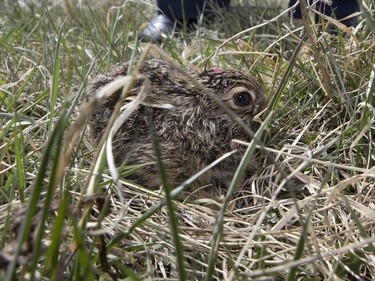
<point x="191" y="135"/>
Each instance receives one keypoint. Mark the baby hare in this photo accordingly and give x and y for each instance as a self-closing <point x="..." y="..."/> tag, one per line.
<point x="192" y="131"/>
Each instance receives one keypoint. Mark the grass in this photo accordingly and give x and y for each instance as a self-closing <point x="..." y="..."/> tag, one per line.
<point x="307" y="214"/>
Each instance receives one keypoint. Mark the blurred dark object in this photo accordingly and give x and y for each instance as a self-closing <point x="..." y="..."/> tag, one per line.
<point x="339" y="9"/>
<point x="179" y="12"/>
<point x="191" y="8"/>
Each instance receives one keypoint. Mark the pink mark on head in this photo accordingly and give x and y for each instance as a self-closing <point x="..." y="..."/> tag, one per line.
<point x="217" y="70"/>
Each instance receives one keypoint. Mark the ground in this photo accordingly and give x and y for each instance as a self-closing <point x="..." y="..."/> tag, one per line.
<point x="307" y="213"/>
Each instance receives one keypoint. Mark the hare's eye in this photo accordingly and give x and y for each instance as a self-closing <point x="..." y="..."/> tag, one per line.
<point x="243" y="98"/>
<point x="240" y="99"/>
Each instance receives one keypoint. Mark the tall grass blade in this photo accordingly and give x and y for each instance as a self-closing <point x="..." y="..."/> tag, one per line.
<point x="168" y="199"/>
<point x="37" y="189"/>
<point x="284" y="80"/>
<point x="218" y="230"/>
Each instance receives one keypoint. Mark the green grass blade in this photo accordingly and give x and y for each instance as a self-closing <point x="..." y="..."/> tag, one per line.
<point x="55" y="76"/>
<point x="218" y="230"/>
<point x="20" y="167"/>
<point x="50" y="192"/>
<point x="37" y="189"/>
<point x="284" y="80"/>
<point x="171" y="209"/>
<point x="52" y="254"/>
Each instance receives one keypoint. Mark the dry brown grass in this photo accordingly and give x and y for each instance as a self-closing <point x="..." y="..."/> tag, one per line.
<point x="307" y="214"/>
